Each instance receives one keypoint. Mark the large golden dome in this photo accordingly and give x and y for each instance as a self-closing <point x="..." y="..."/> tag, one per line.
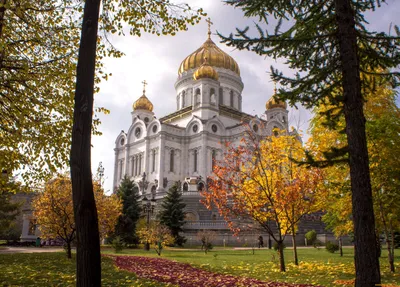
<point x="274" y="103"/>
<point x="205" y="71"/>
<point x="216" y="58"/>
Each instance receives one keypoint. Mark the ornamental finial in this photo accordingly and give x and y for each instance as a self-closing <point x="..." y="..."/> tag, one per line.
<point x="209" y="27"/>
<point x="144" y="87"/>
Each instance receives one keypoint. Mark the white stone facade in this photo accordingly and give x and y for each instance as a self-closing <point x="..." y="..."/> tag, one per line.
<point x="182" y="145"/>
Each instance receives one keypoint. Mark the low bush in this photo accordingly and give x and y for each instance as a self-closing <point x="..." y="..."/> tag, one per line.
<point x="331" y="247"/>
<point x="117" y="244"/>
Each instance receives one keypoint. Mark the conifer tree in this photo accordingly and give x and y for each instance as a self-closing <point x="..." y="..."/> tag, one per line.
<point x="328" y="43"/>
<point x="131" y="208"/>
<point x="172" y="214"/>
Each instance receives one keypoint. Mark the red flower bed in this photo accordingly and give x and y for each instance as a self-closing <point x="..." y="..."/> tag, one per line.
<point x="185" y="275"/>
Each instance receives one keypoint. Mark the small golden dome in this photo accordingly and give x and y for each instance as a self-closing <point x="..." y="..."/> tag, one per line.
<point x="275" y="103"/>
<point x="216" y="58"/>
<point x="205" y="71"/>
<point x="143" y="103"/>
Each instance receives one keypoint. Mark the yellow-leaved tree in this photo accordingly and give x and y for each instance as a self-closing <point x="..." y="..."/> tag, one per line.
<point x="53" y="210"/>
<point x="257" y="181"/>
<point x="383" y="140"/>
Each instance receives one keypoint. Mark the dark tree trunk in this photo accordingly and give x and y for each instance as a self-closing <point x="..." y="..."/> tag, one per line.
<point x="391" y="251"/>
<point x="296" y="259"/>
<point x="340" y="246"/>
<point x="69" y="255"/>
<point x="88" y="270"/>
<point x="366" y="259"/>
<point x="281" y="256"/>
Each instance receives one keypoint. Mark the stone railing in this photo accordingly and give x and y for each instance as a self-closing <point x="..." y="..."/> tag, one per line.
<point x="206" y="224"/>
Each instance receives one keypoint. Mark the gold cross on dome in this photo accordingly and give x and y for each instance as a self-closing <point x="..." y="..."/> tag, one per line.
<point x="209" y="26"/>
<point x="144" y="86"/>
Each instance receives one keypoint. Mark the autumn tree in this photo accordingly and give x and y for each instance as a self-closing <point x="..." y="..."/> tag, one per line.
<point x="38" y="54"/>
<point x="172" y="213"/>
<point x="257" y="182"/>
<point x="156" y="235"/>
<point x="128" y="193"/>
<point x="206" y="237"/>
<point x="328" y="44"/>
<point x="53" y="210"/>
<point x="383" y="140"/>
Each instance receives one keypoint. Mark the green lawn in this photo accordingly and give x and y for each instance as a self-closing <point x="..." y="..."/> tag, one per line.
<point x="54" y="269"/>
<point x="317" y="266"/>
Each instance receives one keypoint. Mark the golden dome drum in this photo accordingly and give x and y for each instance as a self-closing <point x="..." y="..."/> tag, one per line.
<point x="143" y="103"/>
<point x="205" y="71"/>
<point x="216" y="58"/>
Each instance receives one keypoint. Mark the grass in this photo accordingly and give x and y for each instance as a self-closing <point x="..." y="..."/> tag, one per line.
<point x="317" y="266"/>
<point x="54" y="269"/>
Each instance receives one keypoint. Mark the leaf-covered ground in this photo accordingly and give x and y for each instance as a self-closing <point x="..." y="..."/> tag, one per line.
<point x="54" y="269"/>
<point x="185" y="275"/>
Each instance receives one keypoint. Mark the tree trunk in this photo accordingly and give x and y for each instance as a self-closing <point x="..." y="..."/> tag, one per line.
<point x="296" y="260"/>
<point x="366" y="259"/>
<point x="391" y="258"/>
<point x="69" y="255"/>
<point x="88" y="269"/>
<point x="281" y="256"/>
<point x="340" y="246"/>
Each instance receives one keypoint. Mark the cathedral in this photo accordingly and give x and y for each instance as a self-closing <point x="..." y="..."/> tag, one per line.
<point x="181" y="146"/>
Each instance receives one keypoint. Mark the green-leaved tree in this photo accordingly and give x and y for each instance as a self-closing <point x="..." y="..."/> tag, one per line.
<point x="172" y="213"/>
<point x="328" y="43"/>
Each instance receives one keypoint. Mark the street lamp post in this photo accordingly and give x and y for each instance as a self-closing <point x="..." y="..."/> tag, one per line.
<point x="148" y="207"/>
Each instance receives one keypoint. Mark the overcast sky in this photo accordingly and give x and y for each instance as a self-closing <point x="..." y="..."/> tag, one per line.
<point x="156" y="60"/>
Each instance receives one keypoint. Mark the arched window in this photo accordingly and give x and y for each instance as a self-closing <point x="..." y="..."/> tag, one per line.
<point x="197" y="97"/>
<point x="171" y="161"/>
<point x="275" y="130"/>
<point x="121" y="165"/>
<point x="213" y="159"/>
<point x="221" y="96"/>
<point x="189" y="216"/>
<point x="195" y="161"/>
<point x="231" y="99"/>
<point x="183" y="99"/>
<point x="213" y="99"/>
<point x="153" y="192"/>
<point x="200" y="186"/>
<point x="214" y="217"/>
<point x="132" y="165"/>
<point x="140" y="164"/>
<point x="185" y="187"/>
<point x="154" y="161"/>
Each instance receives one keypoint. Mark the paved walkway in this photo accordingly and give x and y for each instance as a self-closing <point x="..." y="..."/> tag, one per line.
<point x="31" y="249"/>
